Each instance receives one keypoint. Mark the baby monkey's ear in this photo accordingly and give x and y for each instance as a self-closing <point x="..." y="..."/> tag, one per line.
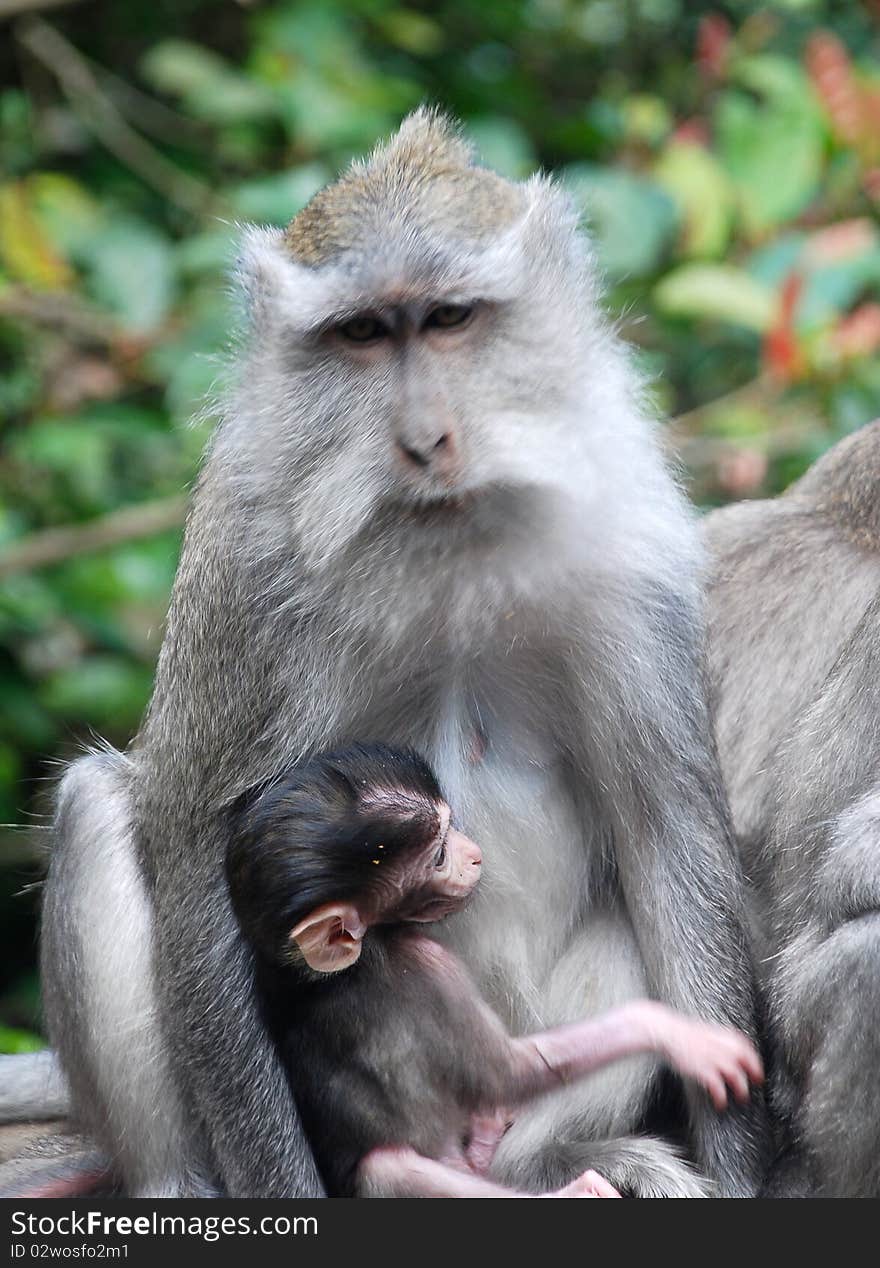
<point x="330" y="937"/>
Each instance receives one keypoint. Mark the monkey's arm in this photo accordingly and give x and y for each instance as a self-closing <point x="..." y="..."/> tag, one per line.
<point x="227" y="1057"/>
<point x="659" y="783"/>
<point x="715" y="1056"/>
<point x="195" y="752"/>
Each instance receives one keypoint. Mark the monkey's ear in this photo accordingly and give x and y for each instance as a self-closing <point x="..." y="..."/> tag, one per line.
<point x="330" y="937"/>
<point x="274" y="286"/>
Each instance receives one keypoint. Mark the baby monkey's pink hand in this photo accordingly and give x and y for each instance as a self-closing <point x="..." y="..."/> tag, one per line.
<point x="718" y="1057"/>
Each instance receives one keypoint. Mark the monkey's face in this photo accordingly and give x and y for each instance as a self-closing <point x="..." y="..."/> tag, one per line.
<point x="417" y="374"/>
<point x="439" y="878"/>
<point x="421" y="885"/>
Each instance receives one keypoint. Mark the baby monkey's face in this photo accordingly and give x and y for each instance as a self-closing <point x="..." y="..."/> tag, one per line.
<point x="439" y="877"/>
<point x="429" y="878"/>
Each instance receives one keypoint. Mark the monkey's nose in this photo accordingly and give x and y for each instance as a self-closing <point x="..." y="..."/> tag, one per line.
<point x="438" y="453"/>
<point x="415" y="456"/>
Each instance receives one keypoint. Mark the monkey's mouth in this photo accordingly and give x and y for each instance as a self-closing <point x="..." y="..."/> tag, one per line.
<point x="438" y="506"/>
<point x="436" y="909"/>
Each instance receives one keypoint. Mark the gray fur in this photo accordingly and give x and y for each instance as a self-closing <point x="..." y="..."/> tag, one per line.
<point x="97" y="932"/>
<point x="644" y="1167"/>
<point x="326" y="595"/>
<point x="795" y="614"/>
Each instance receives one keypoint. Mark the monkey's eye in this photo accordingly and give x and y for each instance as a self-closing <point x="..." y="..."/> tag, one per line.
<point x="448" y="316"/>
<point x="440" y="856"/>
<point x="363" y="329"/>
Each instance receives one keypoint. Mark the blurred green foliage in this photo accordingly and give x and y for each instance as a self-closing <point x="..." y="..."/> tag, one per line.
<point x="727" y="157"/>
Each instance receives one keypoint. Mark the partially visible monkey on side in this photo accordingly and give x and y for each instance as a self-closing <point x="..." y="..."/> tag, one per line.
<point x="397" y="1064"/>
<point x="795" y="652"/>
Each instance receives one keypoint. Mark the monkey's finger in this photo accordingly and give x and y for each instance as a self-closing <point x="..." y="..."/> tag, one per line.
<point x="753" y="1064"/>
<point x="746" y="1059"/>
<point x="746" y="1054"/>
<point x="737" y="1080"/>
<point x="717" y="1089"/>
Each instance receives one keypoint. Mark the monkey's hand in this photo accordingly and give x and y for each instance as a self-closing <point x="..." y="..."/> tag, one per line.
<point x="718" y="1057"/>
<point x="484" y="1135"/>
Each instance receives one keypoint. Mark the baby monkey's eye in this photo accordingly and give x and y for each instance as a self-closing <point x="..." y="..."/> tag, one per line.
<point x="364" y="328"/>
<point x="440" y="856"/>
<point x="448" y="316"/>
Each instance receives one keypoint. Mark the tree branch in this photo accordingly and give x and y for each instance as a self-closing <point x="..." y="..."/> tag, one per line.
<point x="59" y="311"/>
<point x="99" y="114"/>
<point x="12" y="8"/>
<point x="54" y="545"/>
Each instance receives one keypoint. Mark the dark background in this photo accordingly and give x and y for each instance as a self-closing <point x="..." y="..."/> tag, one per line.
<point x="727" y="157"/>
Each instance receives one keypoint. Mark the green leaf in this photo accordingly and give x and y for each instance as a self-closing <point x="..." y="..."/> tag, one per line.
<point x="27" y="252"/>
<point x="211" y="252"/>
<point x="23" y="719"/>
<point x="14" y="1040"/>
<point x="646" y="118"/>
<point x="72" y="454"/>
<point x="132" y="273"/>
<point x="719" y="291"/>
<point x="210" y="88"/>
<point x="99" y="691"/>
<point x="27" y="604"/>
<point x="502" y="145"/>
<point x="771" y="264"/>
<point x="97" y="459"/>
<point x="328" y="92"/>
<point x="772" y="149"/>
<point x="631" y="218"/>
<point x="275" y="199"/>
<point x="71" y="216"/>
<point x="702" y="190"/>
<point x="414" y="32"/>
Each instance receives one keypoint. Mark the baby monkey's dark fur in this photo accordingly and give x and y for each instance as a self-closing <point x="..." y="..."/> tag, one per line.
<point x="310" y="838"/>
<point x="396" y="1063"/>
<point x="374" y="1053"/>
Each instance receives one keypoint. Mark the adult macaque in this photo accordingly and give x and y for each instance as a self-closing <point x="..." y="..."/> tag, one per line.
<point x="795" y="639"/>
<point x="399" y="1068"/>
<point x="434" y="514"/>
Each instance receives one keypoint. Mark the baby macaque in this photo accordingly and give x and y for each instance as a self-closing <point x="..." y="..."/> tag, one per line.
<point x="403" y="1075"/>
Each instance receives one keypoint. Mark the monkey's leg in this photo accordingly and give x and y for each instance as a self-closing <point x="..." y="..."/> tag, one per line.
<point x="232" y="1069"/>
<point x="98" y="984"/>
<point x="832" y="1035"/>
<point x="58" y="1165"/>
<point x="403" y="1173"/>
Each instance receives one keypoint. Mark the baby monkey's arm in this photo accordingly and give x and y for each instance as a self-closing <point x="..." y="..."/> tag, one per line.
<point x="718" y="1057"/>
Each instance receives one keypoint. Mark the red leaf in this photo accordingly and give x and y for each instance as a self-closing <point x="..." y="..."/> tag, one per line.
<point x="713" y="45"/>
